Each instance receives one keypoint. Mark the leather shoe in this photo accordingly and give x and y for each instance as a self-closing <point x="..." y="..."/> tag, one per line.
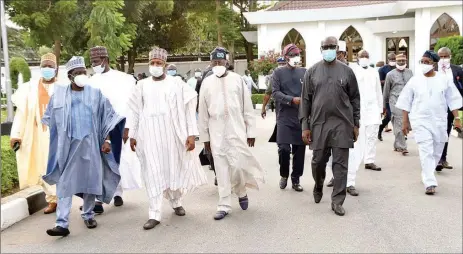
<point x="352" y="191"/>
<point x="179" y="211"/>
<point x="215" y="181"/>
<point x="58" y="231"/>
<point x="118" y="201"/>
<point x="372" y="166"/>
<point x="151" y="223"/>
<point x="220" y="215"/>
<point x="244" y="202"/>
<point x="98" y="209"/>
<point x="283" y="183"/>
<point x="446" y="165"/>
<point x="338" y="209"/>
<point x="317" y="195"/>
<point x="51" y="208"/>
<point x="330" y="183"/>
<point x="90" y="223"/>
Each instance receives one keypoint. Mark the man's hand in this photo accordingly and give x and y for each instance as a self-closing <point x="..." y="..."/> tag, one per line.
<point x="457" y="124"/>
<point x="296" y="100"/>
<point x="356" y="133"/>
<point x="13" y="141"/>
<point x="133" y="144"/>
<point x="307" y="137"/>
<point x="263" y="113"/>
<point x="384" y="111"/>
<point x="251" y="142"/>
<point x="190" y="143"/>
<point x="125" y="136"/>
<point x="207" y="146"/>
<point x="406" y="128"/>
<point x="106" y="148"/>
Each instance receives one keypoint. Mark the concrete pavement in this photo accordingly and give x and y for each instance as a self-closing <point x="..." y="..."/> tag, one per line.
<point x="391" y="214"/>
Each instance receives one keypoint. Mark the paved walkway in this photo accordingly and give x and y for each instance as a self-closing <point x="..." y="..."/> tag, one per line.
<point x="391" y="214"/>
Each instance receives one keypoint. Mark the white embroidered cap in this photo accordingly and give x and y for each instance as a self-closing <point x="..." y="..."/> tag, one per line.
<point x="74" y="63"/>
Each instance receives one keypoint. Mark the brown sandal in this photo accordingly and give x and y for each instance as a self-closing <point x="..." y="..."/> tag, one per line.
<point x="404" y="152"/>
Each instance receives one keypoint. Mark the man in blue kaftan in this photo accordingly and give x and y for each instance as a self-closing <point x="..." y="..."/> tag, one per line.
<point x="80" y="161"/>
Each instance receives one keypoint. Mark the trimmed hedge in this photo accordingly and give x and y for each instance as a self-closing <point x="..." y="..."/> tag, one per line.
<point x="19" y="65"/>
<point x="257" y="98"/>
<point x="9" y="171"/>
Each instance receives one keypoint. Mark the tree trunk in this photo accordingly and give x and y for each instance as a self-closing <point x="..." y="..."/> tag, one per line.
<point x="57" y="51"/>
<point x="249" y="52"/>
<point x="231" y="47"/>
<point x="217" y="21"/>
<point x="122" y="63"/>
<point x="131" y="55"/>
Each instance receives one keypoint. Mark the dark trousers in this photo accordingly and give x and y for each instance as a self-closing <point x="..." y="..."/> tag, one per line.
<point x="386" y="119"/>
<point x="340" y="163"/>
<point x="450" y="119"/>
<point x="284" y="152"/>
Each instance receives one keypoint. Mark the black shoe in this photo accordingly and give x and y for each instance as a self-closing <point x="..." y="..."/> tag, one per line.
<point x="446" y="165"/>
<point x="372" y="166"/>
<point x="179" y="211"/>
<point x="338" y="209"/>
<point x="317" y="195"/>
<point x="297" y="187"/>
<point x="118" y="201"/>
<point x="352" y="191"/>
<point x="330" y="183"/>
<point x="380" y="137"/>
<point x="98" y="209"/>
<point x="215" y="181"/>
<point x="150" y="224"/>
<point x="244" y="202"/>
<point x="90" y="223"/>
<point x="439" y="167"/>
<point x="220" y="215"/>
<point x="283" y="182"/>
<point x="58" y="231"/>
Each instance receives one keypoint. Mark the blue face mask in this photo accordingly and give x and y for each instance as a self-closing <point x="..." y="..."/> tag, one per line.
<point x="329" y="55"/>
<point x="171" y="72"/>
<point x="47" y="73"/>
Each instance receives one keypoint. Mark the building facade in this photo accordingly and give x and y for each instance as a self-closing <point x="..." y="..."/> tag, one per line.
<point x="380" y="27"/>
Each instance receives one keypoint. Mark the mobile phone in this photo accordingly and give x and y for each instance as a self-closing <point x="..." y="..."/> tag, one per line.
<point x="458" y="129"/>
<point x="16" y="146"/>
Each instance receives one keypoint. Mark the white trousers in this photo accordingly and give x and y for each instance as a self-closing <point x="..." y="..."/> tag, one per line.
<point x="225" y="202"/>
<point x="119" y="190"/>
<point x="156" y="206"/>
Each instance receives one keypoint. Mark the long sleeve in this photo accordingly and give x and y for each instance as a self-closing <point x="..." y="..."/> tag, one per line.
<point x="453" y="96"/>
<point x="47" y="115"/>
<point x="132" y="83"/>
<point x="254" y="84"/>
<point x="18" y="127"/>
<point x="134" y="109"/>
<point x="248" y="112"/>
<point x="405" y="100"/>
<point x="278" y="95"/>
<point x="387" y="90"/>
<point x="203" y="116"/>
<point x="306" y="102"/>
<point x="379" y="95"/>
<point x="19" y="99"/>
<point x="190" y="115"/>
<point x="354" y="97"/>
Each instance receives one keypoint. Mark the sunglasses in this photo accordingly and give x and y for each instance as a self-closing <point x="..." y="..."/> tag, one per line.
<point x="327" y="47"/>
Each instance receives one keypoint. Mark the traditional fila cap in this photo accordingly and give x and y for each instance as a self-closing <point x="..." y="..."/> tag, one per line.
<point x="219" y="53"/>
<point x="291" y="50"/>
<point x="98" y="51"/>
<point x="74" y="63"/>
<point x="158" y="53"/>
<point x="400" y="57"/>
<point x="48" y="57"/>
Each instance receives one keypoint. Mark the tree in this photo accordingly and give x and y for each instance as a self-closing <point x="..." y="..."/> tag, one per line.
<point x="17" y="44"/>
<point x="47" y="21"/>
<point x="455" y="44"/>
<point x="19" y="66"/>
<point x="106" y="28"/>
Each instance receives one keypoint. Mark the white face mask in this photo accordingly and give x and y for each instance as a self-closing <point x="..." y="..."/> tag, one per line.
<point x="401" y="67"/>
<point x="294" y="61"/>
<point x="444" y="62"/>
<point x="156" y="71"/>
<point x="198" y="74"/>
<point x="426" y="68"/>
<point x="81" y="80"/>
<point x="392" y="64"/>
<point x="363" y="62"/>
<point x="219" y="70"/>
<point x="99" y="68"/>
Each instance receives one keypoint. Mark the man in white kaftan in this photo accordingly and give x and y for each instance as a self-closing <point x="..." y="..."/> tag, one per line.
<point x="424" y="101"/>
<point x="162" y="131"/>
<point x="227" y="128"/>
<point x="117" y="87"/>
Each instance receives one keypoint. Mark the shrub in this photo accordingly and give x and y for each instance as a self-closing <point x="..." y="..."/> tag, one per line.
<point x="257" y="98"/>
<point x="455" y="44"/>
<point x="19" y="65"/>
<point x="9" y="171"/>
<point x="264" y="64"/>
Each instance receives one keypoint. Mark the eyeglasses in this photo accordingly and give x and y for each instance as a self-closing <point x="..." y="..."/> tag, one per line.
<point x="326" y="47"/>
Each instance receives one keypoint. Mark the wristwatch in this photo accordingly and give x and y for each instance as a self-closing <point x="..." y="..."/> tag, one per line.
<point x="108" y="141"/>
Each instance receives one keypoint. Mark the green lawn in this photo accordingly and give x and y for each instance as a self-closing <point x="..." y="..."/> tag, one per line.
<point x="3" y="116"/>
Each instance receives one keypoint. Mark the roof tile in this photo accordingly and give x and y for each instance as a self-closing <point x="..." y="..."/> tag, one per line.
<point x="306" y="5"/>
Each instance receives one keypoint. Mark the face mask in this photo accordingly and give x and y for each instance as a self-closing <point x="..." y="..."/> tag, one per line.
<point x="99" y="68"/>
<point x="392" y="64"/>
<point x="47" y="73"/>
<point x="219" y="70"/>
<point x="363" y="62"/>
<point x="401" y="67"/>
<point x="171" y="72"/>
<point x="329" y="55"/>
<point x="426" y="68"/>
<point x="294" y="61"/>
<point x="156" y="71"/>
<point x="81" y="80"/>
<point x="198" y="74"/>
<point x="444" y="62"/>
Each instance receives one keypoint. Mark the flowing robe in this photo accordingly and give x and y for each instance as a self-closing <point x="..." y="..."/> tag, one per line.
<point x="117" y="87"/>
<point x="162" y="117"/>
<point x="79" y="123"/>
<point x="226" y="120"/>
<point x="32" y="156"/>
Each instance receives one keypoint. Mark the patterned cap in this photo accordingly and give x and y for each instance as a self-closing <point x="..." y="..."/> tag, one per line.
<point x="74" y="63"/>
<point x="158" y="53"/>
<point x="48" y="57"/>
<point x="98" y="51"/>
<point x="219" y="53"/>
<point x="291" y="50"/>
<point x="401" y="57"/>
<point x="432" y="55"/>
<point x="342" y="46"/>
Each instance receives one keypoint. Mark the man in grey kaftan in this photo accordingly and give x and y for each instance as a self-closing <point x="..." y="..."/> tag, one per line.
<point x="80" y="161"/>
<point x="330" y="114"/>
<point x="286" y="89"/>
<point x="395" y="82"/>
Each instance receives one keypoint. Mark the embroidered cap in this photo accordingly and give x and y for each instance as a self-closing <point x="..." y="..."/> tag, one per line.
<point x="98" y="51"/>
<point x="158" y="53"/>
<point x="48" y="57"/>
<point x="74" y="63"/>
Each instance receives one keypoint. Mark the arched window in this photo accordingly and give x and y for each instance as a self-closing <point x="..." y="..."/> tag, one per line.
<point x="354" y="43"/>
<point x="293" y="36"/>
<point x="397" y="45"/>
<point x="444" y="26"/>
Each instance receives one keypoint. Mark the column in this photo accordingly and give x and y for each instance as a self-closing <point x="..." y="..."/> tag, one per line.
<point x="422" y="33"/>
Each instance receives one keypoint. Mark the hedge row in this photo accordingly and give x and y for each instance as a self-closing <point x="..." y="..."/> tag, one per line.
<point x="9" y="172"/>
<point x="257" y="98"/>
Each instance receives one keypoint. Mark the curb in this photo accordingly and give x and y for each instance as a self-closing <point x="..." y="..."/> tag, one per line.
<point x="22" y="207"/>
